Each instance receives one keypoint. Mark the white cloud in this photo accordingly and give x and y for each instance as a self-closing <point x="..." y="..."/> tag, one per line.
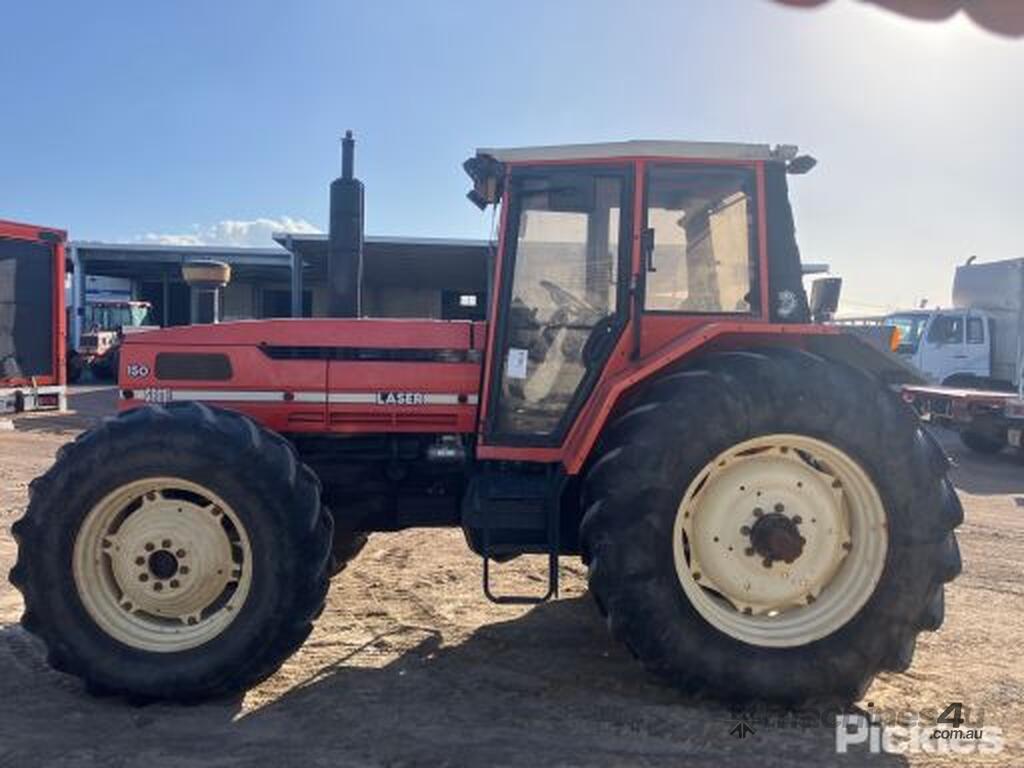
<point x="232" y="232"/>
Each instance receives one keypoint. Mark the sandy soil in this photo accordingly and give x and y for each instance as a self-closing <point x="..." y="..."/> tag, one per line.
<point x="409" y="665"/>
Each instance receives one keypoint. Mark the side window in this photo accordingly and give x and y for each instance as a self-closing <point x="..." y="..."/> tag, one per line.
<point x="704" y="255"/>
<point x="947" y="329"/>
<point x="975" y="330"/>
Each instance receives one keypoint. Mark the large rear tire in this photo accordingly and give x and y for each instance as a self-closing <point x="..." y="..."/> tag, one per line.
<point x="176" y="552"/>
<point x="771" y="526"/>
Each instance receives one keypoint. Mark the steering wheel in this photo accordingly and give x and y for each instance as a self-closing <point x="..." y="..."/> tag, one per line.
<point x="569" y="301"/>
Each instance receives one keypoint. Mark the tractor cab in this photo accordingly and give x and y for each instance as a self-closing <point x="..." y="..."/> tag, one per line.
<point x="609" y="251"/>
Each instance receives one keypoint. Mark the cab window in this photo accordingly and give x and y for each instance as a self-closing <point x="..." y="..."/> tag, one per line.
<point x="703" y="256"/>
<point x="565" y="247"/>
<point x="975" y="330"/>
<point x="946" y="329"/>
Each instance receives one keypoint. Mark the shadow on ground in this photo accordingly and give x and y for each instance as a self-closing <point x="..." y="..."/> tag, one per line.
<point x="546" y="688"/>
<point x="983" y="475"/>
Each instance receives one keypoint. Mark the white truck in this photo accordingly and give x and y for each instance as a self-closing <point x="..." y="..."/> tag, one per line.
<point x="975" y="350"/>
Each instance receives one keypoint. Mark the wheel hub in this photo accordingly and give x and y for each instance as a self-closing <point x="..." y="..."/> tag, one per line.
<point x="162" y="564"/>
<point x="779" y="540"/>
<point x="777" y="537"/>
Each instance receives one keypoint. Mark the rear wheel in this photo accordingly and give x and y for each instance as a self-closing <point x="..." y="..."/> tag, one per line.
<point x="174" y="553"/>
<point x="980" y="442"/>
<point x="769" y="526"/>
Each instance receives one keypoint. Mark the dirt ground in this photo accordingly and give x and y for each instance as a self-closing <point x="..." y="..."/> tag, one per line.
<point x="409" y="665"/>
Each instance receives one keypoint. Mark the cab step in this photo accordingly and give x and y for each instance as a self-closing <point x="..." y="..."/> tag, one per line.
<point x="507" y="515"/>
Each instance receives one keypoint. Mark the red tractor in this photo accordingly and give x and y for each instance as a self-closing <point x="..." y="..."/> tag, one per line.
<point x="761" y="516"/>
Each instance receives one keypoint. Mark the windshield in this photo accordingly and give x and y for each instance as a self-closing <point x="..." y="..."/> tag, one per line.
<point x="910" y="327"/>
<point x="113" y="317"/>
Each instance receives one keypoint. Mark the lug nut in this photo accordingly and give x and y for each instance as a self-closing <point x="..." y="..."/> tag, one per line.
<point x="780" y="507"/>
<point x="758" y="512"/>
<point x="183" y="569"/>
<point x="166" y="543"/>
<point x="748" y="551"/>
<point x="157" y="586"/>
<point x="767" y="562"/>
<point x="150" y="546"/>
<point x="174" y="584"/>
<point x="797" y="519"/>
<point x="745" y="530"/>
<point x="140" y="561"/>
<point x="180" y="553"/>
<point x="143" y="577"/>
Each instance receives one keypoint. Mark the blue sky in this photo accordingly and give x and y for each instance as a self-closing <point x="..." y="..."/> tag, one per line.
<point x="218" y="121"/>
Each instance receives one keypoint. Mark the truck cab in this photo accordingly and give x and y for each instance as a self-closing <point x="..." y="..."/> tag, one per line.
<point x="947" y="345"/>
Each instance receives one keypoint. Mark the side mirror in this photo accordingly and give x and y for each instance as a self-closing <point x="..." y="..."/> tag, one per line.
<point x="824" y="302"/>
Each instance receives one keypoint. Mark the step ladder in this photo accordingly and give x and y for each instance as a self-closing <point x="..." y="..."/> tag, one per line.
<point x="507" y="515"/>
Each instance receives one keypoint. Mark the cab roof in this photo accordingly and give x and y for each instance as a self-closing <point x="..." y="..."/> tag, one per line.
<point x="697" y="150"/>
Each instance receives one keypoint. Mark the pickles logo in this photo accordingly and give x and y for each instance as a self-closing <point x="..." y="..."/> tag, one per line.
<point x="946" y="733"/>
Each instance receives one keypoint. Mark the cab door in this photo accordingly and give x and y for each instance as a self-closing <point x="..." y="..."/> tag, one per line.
<point x="563" y="299"/>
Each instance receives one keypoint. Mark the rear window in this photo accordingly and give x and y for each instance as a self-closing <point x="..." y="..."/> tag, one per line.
<point x="975" y="330"/>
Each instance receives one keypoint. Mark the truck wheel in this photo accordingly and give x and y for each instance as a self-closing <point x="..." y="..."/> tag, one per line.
<point x="173" y="553"/>
<point x="981" y="443"/>
<point x="769" y="526"/>
<point x="75" y="368"/>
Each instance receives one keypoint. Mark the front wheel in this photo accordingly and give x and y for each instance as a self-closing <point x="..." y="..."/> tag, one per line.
<point x="769" y="526"/>
<point x="173" y="553"/>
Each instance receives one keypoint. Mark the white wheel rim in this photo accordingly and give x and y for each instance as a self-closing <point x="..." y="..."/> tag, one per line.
<point x="162" y="564"/>
<point x="767" y="500"/>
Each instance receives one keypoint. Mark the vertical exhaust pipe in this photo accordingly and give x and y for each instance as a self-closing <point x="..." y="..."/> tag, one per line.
<point x="345" y="243"/>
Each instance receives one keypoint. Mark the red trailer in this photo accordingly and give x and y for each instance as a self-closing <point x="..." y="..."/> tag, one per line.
<point x="32" y="317"/>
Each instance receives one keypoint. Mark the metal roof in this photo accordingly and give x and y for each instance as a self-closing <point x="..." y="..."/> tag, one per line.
<point x="439" y="242"/>
<point x="697" y="150"/>
<point x="170" y="248"/>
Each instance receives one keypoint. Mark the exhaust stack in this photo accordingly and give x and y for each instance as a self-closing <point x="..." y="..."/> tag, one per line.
<point x="345" y="243"/>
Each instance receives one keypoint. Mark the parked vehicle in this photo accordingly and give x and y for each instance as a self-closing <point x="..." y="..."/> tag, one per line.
<point x="32" y="319"/>
<point x="760" y="514"/>
<point x="985" y="406"/>
<point x="105" y="323"/>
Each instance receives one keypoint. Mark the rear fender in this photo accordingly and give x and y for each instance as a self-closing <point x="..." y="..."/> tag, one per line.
<point x="826" y="341"/>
